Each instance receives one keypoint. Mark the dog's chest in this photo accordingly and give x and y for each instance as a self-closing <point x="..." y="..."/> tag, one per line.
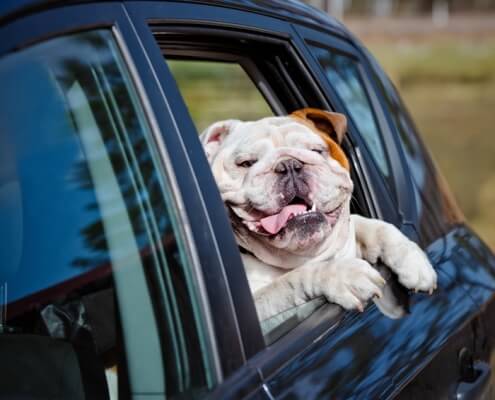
<point x="260" y="274"/>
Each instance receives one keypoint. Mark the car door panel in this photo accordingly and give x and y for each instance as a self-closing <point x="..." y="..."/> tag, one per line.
<point x="372" y="356"/>
<point x="471" y="263"/>
<point x="243" y="384"/>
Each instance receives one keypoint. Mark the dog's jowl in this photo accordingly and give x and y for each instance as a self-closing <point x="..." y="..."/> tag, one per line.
<point x="286" y="184"/>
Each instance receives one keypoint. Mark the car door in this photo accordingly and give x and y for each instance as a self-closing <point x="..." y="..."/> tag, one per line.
<point x="328" y="353"/>
<point x="170" y="344"/>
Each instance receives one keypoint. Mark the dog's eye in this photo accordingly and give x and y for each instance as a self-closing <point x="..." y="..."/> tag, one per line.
<point x="246" y="163"/>
<point x="319" y="151"/>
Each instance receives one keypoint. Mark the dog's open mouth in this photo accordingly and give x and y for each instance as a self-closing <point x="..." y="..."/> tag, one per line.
<point x="297" y="212"/>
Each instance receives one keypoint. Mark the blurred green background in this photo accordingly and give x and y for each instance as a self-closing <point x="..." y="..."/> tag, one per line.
<point x="446" y="75"/>
<point x="216" y="91"/>
<point x="440" y="55"/>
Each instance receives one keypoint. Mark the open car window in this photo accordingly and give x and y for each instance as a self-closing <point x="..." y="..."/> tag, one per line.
<point x="240" y="81"/>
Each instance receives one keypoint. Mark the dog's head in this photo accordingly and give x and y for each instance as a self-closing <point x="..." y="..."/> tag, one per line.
<point x="285" y="181"/>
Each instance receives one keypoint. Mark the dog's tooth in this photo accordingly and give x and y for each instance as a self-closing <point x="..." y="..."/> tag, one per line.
<point x="313" y="207"/>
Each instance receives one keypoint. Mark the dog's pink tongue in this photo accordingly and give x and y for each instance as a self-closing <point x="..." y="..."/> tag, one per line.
<point x="274" y="223"/>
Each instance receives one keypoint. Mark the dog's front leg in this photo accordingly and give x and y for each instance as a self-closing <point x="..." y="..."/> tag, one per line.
<point x="347" y="282"/>
<point x="381" y="240"/>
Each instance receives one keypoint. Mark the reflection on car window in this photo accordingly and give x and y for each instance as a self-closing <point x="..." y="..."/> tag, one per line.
<point x="215" y="91"/>
<point x="423" y="172"/>
<point x="86" y="224"/>
<point x="343" y="74"/>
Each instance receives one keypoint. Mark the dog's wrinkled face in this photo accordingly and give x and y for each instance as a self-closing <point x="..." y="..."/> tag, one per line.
<point x="285" y="192"/>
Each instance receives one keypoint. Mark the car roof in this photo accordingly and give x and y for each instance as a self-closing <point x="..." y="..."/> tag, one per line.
<point x="291" y="10"/>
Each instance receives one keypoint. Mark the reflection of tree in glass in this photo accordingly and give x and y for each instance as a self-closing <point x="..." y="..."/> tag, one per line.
<point x="94" y="67"/>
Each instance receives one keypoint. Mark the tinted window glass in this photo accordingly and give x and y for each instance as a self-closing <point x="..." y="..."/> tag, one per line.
<point x="84" y="210"/>
<point x="343" y="74"/>
<point x="432" y="205"/>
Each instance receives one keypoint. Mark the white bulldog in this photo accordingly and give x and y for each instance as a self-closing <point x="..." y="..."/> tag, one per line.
<point x="286" y="184"/>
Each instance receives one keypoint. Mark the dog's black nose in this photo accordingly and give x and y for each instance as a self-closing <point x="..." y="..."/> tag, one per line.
<point x="288" y="165"/>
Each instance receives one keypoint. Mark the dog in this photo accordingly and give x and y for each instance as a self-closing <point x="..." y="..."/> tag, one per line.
<point x="286" y="185"/>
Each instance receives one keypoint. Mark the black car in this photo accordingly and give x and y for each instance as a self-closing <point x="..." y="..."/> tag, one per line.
<point x="119" y="269"/>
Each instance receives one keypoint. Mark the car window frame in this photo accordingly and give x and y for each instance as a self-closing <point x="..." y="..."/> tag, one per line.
<point x="26" y="30"/>
<point x="266" y="359"/>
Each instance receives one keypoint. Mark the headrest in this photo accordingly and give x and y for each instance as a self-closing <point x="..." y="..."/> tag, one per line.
<point x="38" y="367"/>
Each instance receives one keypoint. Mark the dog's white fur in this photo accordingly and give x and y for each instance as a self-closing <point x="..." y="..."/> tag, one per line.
<point x="326" y="254"/>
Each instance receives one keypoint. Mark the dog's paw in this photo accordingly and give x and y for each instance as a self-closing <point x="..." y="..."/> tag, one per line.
<point x="352" y="283"/>
<point x="413" y="268"/>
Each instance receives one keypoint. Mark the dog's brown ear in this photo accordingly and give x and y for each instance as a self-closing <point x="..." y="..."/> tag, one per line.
<point x="331" y="123"/>
<point x="213" y="136"/>
<point x="330" y="126"/>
